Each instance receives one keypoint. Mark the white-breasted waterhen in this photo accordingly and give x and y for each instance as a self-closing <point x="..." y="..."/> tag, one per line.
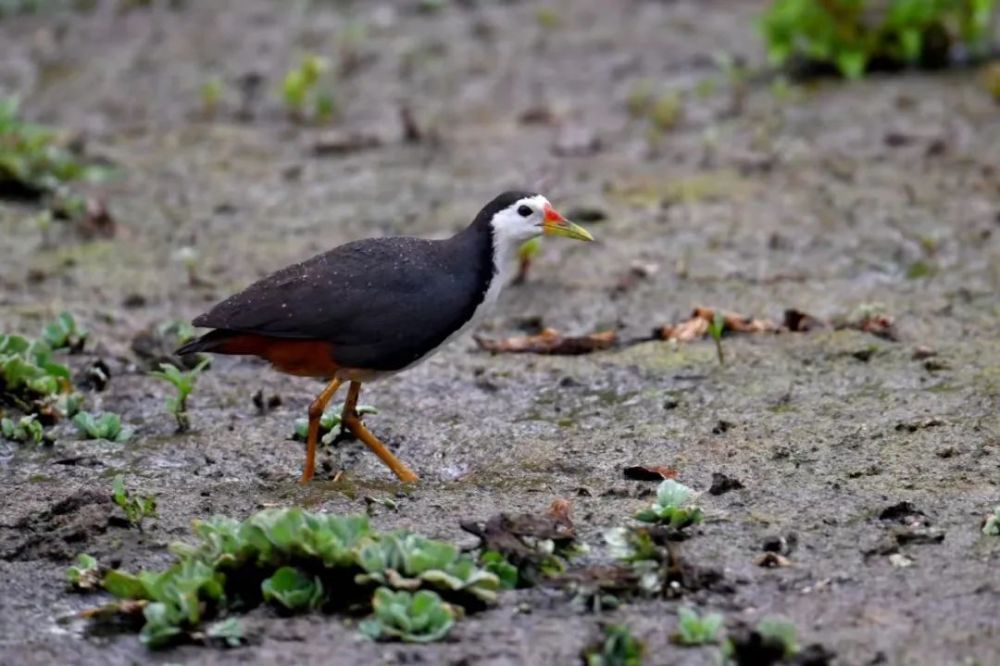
<point x="375" y="307"/>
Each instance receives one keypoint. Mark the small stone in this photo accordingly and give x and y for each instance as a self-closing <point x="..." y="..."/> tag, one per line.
<point x="722" y="484"/>
<point x="900" y="561"/>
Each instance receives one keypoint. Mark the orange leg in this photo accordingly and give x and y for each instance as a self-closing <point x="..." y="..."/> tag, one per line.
<point x="316" y="408"/>
<point x="353" y="423"/>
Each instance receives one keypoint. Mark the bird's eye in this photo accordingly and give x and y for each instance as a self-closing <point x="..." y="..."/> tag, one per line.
<point x="524" y="211"/>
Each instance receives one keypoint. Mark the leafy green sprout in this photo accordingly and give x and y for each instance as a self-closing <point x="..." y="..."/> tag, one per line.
<point x="184" y="383"/>
<point x="293" y="589"/>
<point x="414" y="618"/>
<point x="619" y="648"/>
<point x="497" y="564"/>
<point x="781" y="632"/>
<point x="673" y="507"/>
<point x="136" y="508"/>
<point x="666" y="111"/>
<point x="26" y="430"/>
<point x="547" y="18"/>
<point x="229" y="631"/>
<point x="330" y="423"/>
<point x="694" y="629"/>
<point x="211" y="94"/>
<point x="991" y="527"/>
<point x="715" y="329"/>
<point x="301" y="84"/>
<point x="64" y="333"/>
<point x="106" y="426"/>
<point x="85" y="575"/>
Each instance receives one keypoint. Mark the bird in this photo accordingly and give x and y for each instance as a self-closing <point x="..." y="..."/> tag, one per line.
<point x="372" y="308"/>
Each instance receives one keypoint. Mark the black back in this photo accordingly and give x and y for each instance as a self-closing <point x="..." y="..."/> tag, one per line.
<point x="381" y="303"/>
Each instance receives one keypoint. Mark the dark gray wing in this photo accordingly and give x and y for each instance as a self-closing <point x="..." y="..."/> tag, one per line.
<point x="382" y="303"/>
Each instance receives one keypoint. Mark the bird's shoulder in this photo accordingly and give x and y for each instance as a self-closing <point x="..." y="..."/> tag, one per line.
<point x="351" y="272"/>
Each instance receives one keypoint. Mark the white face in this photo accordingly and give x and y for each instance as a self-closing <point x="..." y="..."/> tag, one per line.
<point x="520" y="221"/>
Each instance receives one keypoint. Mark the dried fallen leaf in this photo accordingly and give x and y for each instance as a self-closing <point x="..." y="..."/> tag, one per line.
<point x="880" y="325"/>
<point x="642" y="473"/>
<point x="697" y="326"/>
<point x="550" y="341"/>
<point x="798" y="321"/>
<point x="770" y="560"/>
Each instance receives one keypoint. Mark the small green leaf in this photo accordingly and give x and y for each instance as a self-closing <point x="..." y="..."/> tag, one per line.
<point x="293" y="589"/>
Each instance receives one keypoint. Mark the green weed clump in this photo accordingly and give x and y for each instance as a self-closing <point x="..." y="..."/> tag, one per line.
<point x="28" y="372"/>
<point x="991" y="526"/>
<point x="852" y="35"/>
<point x="694" y="629"/>
<point x="672" y="508"/>
<point x="415" y="618"/>
<point x="64" y="333"/>
<point x="619" y="648"/>
<point x="136" y="508"/>
<point x="85" y="575"/>
<point x="26" y="430"/>
<point x="303" y="86"/>
<point x="329" y="424"/>
<point x="107" y="425"/>
<point x="34" y="160"/>
<point x="297" y="561"/>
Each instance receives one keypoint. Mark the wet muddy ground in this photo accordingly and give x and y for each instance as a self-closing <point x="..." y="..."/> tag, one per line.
<point x="824" y="197"/>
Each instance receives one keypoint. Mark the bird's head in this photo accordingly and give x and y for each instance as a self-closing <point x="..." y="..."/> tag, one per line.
<point x="519" y="216"/>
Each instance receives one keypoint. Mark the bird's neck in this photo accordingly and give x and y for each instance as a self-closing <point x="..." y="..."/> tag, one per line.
<point x="494" y="257"/>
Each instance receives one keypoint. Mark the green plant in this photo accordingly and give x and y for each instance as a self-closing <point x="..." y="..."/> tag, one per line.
<point x="715" y="329"/>
<point x="991" y="526"/>
<point x="293" y="589"/>
<point x="136" y="508"/>
<point x="777" y="631"/>
<point x="27" y="371"/>
<point x="693" y="629"/>
<point x="498" y="565"/>
<point x="666" y="111"/>
<point x="63" y="333"/>
<point x="27" y="429"/>
<point x="547" y="18"/>
<point x="639" y="99"/>
<point x="85" y="574"/>
<point x="211" y="94"/>
<point x="410" y="561"/>
<point x="102" y="426"/>
<point x="851" y="34"/>
<point x="298" y="560"/>
<point x="302" y="85"/>
<point x="34" y="159"/>
<point x="329" y="424"/>
<point x="619" y="648"/>
<point x="414" y="618"/>
<point x="672" y="507"/>
<point x="229" y="631"/>
<point x="184" y="383"/>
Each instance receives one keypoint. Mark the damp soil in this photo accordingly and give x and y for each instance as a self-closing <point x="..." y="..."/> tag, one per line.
<point x="824" y="196"/>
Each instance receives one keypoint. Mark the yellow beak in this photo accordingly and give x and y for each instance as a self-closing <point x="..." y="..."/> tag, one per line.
<point x="557" y="225"/>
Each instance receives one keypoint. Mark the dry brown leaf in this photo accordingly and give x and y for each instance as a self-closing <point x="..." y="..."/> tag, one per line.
<point x="697" y="326"/>
<point x="644" y="473"/>
<point x="550" y="341"/>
